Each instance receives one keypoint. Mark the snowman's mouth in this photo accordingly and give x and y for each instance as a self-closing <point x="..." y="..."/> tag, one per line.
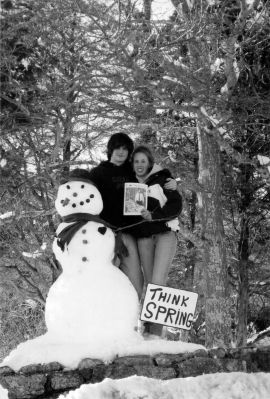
<point x="65" y="202"/>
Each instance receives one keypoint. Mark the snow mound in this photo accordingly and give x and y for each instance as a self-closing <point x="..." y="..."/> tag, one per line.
<point x="235" y="385"/>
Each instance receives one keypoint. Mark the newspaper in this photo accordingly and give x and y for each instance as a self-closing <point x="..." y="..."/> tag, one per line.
<point x="135" y="198"/>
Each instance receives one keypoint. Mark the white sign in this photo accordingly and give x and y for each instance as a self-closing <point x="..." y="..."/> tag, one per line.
<point x="169" y="306"/>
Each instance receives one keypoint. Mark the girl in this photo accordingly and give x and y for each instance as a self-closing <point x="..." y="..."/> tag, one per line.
<point x="156" y="237"/>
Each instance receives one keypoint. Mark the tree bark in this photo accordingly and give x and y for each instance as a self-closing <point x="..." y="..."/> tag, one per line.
<point x="243" y="254"/>
<point x="217" y="300"/>
<point x="242" y="306"/>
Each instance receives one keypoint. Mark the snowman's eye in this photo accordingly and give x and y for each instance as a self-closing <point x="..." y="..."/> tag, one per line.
<point x="62" y="201"/>
<point x="85" y="242"/>
<point x="68" y="187"/>
<point x="75" y="195"/>
<point x="81" y="203"/>
<point x="84" y="259"/>
<point x="82" y="186"/>
<point x="91" y="195"/>
<point x="73" y="205"/>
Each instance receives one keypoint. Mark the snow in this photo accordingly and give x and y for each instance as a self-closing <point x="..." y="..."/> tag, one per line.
<point x="92" y="309"/>
<point x="236" y="385"/>
<point x="3" y="163"/>
<point x="6" y="215"/>
<point x="3" y="393"/>
<point x="47" y="348"/>
<point x="261" y="336"/>
<point x="265" y="161"/>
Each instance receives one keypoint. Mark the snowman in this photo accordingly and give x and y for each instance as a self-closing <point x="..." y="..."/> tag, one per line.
<point x="92" y="309"/>
<point x="92" y="299"/>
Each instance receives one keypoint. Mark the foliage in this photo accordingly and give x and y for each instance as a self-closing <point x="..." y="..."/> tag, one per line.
<point x="74" y="72"/>
<point x="20" y="321"/>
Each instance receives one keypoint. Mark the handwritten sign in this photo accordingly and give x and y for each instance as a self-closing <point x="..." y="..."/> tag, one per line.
<point x="169" y="306"/>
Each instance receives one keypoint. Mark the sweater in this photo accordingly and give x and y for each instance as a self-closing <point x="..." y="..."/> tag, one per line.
<point x="110" y="180"/>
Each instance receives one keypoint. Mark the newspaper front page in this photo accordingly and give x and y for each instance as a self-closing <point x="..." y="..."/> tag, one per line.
<point x="135" y="198"/>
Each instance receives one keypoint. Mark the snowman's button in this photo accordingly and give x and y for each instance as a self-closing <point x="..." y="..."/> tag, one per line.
<point x="102" y="230"/>
<point x="91" y="195"/>
<point x="75" y="194"/>
<point x="81" y="203"/>
<point x="84" y="259"/>
<point x="83" y="231"/>
<point x="88" y="200"/>
<point x="85" y="242"/>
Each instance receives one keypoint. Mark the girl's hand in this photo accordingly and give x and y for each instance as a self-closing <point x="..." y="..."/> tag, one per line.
<point x="171" y="184"/>
<point x="146" y="214"/>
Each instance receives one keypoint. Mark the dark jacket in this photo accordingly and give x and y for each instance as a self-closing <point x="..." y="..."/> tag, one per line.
<point x="110" y="180"/>
<point x="170" y="210"/>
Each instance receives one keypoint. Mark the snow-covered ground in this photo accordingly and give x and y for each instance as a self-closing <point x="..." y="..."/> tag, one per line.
<point x="45" y="349"/>
<point x="3" y="393"/>
<point x="209" y="386"/>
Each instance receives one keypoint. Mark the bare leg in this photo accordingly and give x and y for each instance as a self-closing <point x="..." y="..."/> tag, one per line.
<point x="156" y="255"/>
<point x="130" y="264"/>
<point x="146" y="247"/>
<point x="166" y="244"/>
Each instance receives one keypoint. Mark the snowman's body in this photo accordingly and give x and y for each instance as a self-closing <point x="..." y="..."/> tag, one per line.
<point x="90" y="298"/>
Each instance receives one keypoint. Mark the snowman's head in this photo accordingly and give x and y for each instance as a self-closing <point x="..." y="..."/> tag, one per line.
<point x="78" y="195"/>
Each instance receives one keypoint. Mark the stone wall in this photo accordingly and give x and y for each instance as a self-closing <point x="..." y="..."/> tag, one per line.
<point x="48" y="381"/>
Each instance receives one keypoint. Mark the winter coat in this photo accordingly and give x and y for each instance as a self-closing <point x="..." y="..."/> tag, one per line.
<point x="110" y="180"/>
<point x="163" y="204"/>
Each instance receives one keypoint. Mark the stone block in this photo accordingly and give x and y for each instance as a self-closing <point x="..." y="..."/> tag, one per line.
<point x="161" y="373"/>
<point x="167" y="360"/>
<point x="92" y="370"/>
<point x="6" y="371"/>
<point x="200" y="353"/>
<point x="64" y="380"/>
<point x="198" y="366"/>
<point x="262" y="358"/>
<point x="217" y="353"/>
<point x="40" y="368"/>
<point x="231" y="365"/>
<point x="116" y="371"/>
<point x="24" y="387"/>
<point x="233" y="353"/>
<point x="143" y="360"/>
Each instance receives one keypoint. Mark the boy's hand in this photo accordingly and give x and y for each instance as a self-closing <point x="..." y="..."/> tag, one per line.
<point x="170" y="184"/>
<point x="146" y="214"/>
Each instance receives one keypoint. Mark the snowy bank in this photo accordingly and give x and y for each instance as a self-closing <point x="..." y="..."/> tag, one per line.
<point x="219" y="386"/>
<point x="44" y="350"/>
<point x="3" y="393"/>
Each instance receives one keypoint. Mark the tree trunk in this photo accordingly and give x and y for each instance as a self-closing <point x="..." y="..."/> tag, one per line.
<point x="217" y="300"/>
<point x="242" y="306"/>
<point x="243" y="254"/>
<point x="147" y="9"/>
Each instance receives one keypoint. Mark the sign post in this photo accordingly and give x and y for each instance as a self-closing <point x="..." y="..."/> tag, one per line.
<point x="169" y="306"/>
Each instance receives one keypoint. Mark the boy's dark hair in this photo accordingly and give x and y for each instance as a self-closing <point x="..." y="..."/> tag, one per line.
<point x="118" y="140"/>
<point x="147" y="152"/>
